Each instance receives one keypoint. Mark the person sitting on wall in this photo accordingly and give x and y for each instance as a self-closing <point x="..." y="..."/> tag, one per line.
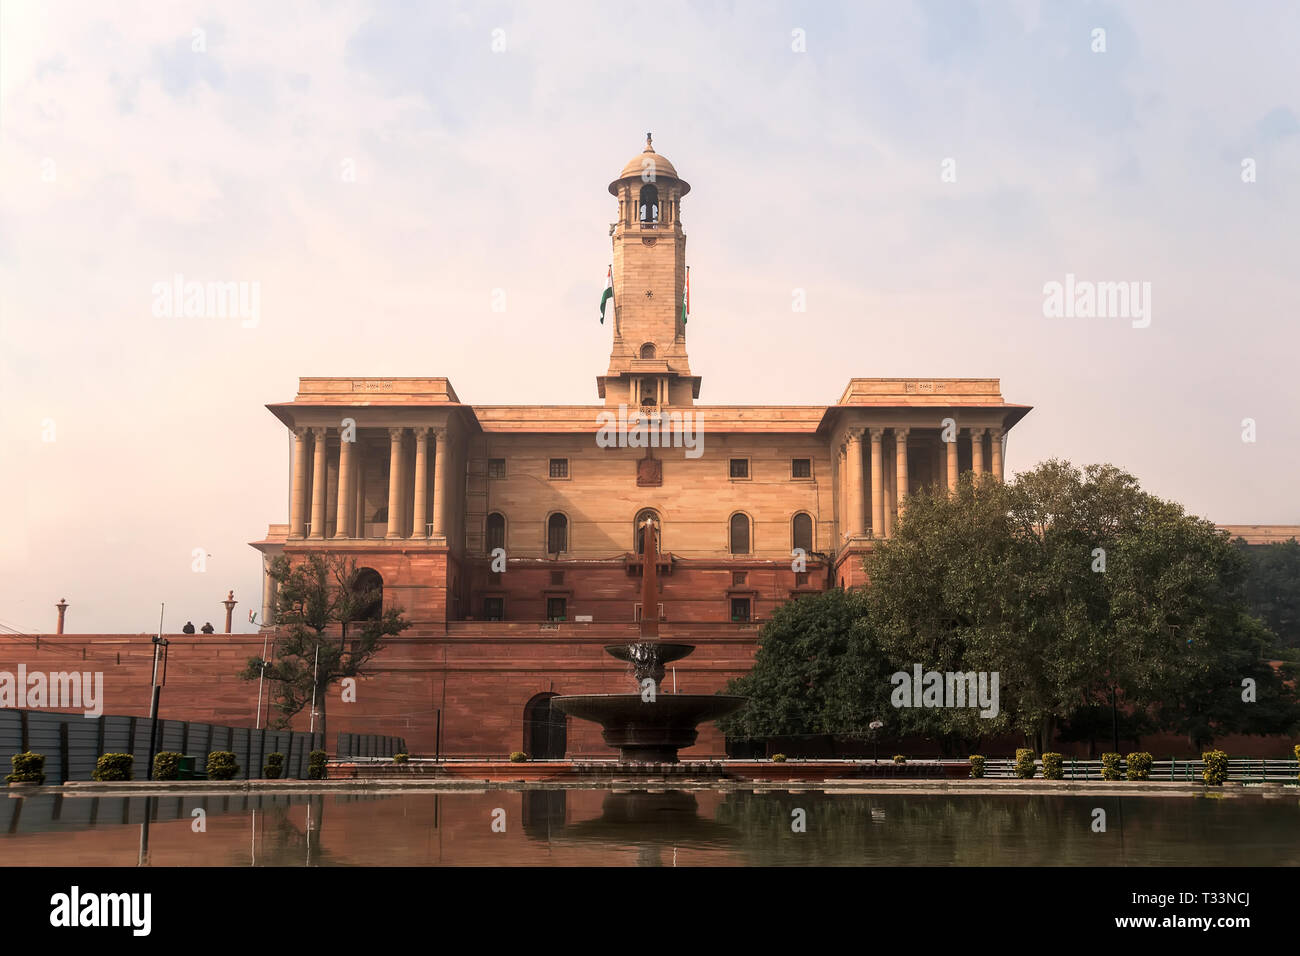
<point x="188" y="628"/>
<point x="208" y="628"/>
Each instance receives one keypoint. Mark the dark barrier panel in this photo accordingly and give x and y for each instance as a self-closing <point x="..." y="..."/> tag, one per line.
<point x="72" y="744"/>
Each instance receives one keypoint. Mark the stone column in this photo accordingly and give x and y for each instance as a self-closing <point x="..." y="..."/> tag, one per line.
<point x="440" y="478"/>
<point x="854" y="492"/>
<point x="888" y="465"/>
<point x="230" y="603"/>
<point x="977" y="453"/>
<point x="268" y="593"/>
<point x="420" y="514"/>
<point x="952" y="462"/>
<point x="331" y="487"/>
<point x="901" y="478"/>
<point x="995" y="435"/>
<point x="877" y="483"/>
<point x="63" y="609"/>
<point x="841" y="463"/>
<point x="394" y="483"/>
<point x="318" y="484"/>
<point x="298" y="486"/>
<point x="346" y="495"/>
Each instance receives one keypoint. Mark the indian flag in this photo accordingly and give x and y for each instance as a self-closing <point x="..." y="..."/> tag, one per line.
<point x="686" y="296"/>
<point x="608" y="293"/>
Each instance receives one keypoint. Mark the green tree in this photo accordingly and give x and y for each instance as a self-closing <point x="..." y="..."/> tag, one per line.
<point x="330" y="626"/>
<point x="1273" y="587"/>
<point x="1082" y="592"/>
<point x="818" y="670"/>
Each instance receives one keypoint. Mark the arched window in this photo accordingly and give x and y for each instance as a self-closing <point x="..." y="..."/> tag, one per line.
<point x="638" y="529"/>
<point x="368" y="590"/>
<point x="739" y="534"/>
<point x="802" y="531"/>
<point x="649" y="203"/>
<point x="648" y="350"/>
<point x="557" y="534"/>
<point x="496" y="532"/>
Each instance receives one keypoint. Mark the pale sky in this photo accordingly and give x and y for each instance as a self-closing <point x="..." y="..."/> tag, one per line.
<point x="127" y="156"/>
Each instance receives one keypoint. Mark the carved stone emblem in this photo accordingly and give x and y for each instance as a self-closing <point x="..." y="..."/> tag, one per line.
<point x="649" y="471"/>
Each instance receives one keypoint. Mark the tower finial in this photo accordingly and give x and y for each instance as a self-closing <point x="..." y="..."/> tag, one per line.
<point x="649" y="146"/>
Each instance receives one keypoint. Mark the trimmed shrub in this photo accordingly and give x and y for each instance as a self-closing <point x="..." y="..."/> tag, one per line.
<point x="1216" y="767"/>
<point x="976" y="766"/>
<point x="778" y="758"/>
<point x="222" y="766"/>
<point x="274" y="766"/>
<point x="518" y="756"/>
<point x="1110" y="767"/>
<point x="28" y="768"/>
<point x="401" y="758"/>
<point x="1025" y="768"/>
<point x="316" y="762"/>
<point x="1139" y="766"/>
<point x="900" y="758"/>
<point x="113" y="767"/>
<point x="1297" y="757"/>
<point x="166" y="765"/>
<point x="1053" y="767"/>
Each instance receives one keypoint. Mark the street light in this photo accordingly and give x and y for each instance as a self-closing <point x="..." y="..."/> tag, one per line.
<point x="158" y="642"/>
<point x="875" y="725"/>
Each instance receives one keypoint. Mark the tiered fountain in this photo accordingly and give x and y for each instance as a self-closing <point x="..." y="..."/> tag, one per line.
<point x="648" y="728"/>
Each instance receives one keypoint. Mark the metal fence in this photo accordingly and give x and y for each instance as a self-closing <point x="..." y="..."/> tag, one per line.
<point x="1240" y="770"/>
<point x="72" y="744"/>
<point x="369" y="745"/>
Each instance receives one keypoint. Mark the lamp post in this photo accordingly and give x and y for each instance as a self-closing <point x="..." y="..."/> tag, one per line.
<point x="156" y="692"/>
<point x="260" y="678"/>
<point x="875" y="725"/>
<point x="314" y="668"/>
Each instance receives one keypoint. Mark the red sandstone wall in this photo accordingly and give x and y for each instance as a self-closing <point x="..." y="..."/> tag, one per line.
<point x="481" y="677"/>
<point x="696" y="593"/>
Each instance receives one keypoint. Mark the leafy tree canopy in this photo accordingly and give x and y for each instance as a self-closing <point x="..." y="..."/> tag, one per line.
<point x="1081" y="591"/>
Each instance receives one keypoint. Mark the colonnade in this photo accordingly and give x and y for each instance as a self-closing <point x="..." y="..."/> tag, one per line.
<point x="335" y="460"/>
<point x="889" y="476"/>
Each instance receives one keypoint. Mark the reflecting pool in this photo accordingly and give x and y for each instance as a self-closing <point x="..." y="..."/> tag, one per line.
<point x="623" y="827"/>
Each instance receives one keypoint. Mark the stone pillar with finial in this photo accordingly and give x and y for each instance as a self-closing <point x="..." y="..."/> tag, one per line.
<point x="650" y="583"/>
<point x="230" y="603"/>
<point x="63" y="609"/>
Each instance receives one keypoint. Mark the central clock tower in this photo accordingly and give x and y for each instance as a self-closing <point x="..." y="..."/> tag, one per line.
<point x="648" y="366"/>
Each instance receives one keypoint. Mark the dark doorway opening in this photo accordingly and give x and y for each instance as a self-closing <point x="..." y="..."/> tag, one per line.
<point x="545" y="729"/>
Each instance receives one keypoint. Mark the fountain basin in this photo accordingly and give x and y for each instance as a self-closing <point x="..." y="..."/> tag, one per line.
<point x="648" y="731"/>
<point x="664" y="651"/>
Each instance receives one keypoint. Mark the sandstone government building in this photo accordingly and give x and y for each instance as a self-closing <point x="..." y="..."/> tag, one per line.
<point x="508" y="534"/>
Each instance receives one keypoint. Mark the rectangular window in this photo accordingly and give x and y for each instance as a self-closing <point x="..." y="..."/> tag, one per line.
<point x="637" y="608"/>
<point x="740" y="610"/>
<point x="801" y="579"/>
<point x="494" y="609"/>
<point x="496" y="467"/>
<point x="738" y="578"/>
<point x="559" y="468"/>
<point x="557" y="578"/>
<point x="555" y="609"/>
<point x="801" y="468"/>
<point x="740" y="468"/>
